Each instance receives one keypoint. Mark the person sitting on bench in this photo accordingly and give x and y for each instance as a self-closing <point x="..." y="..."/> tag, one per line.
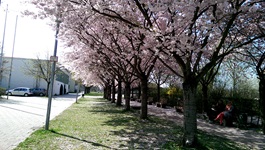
<point x="228" y="113"/>
<point x="215" y="110"/>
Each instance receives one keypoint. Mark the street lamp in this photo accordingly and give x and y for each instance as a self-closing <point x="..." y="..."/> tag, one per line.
<point x="53" y="59"/>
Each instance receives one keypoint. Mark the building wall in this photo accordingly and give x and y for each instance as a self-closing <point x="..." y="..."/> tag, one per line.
<point x="18" y="76"/>
<point x="60" y="88"/>
<point x="20" y="79"/>
<point x="62" y="81"/>
<point x="72" y="86"/>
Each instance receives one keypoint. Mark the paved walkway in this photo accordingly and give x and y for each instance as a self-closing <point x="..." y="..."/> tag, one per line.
<point x="20" y="116"/>
<point x="254" y="140"/>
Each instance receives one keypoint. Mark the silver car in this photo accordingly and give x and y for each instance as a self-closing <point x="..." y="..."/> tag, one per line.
<point x="22" y="91"/>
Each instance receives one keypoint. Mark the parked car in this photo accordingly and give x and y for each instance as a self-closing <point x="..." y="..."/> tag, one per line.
<point x="39" y="91"/>
<point x="22" y="91"/>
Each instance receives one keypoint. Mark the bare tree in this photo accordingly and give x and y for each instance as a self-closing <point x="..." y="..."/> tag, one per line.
<point x="40" y="69"/>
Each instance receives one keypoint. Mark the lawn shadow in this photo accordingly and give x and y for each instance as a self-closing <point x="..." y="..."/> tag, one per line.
<point x="155" y="132"/>
<point x="75" y="138"/>
<point x="106" y="108"/>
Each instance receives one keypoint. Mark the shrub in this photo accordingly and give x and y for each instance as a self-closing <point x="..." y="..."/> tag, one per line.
<point x="175" y="95"/>
<point x="2" y="91"/>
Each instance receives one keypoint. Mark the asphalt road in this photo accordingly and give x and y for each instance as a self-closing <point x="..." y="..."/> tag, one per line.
<point x="20" y="116"/>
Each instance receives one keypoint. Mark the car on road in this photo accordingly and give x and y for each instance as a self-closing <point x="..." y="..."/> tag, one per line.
<point x="39" y="91"/>
<point x="21" y="91"/>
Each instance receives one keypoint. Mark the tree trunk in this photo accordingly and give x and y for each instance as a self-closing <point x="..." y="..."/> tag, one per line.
<point x="119" y="97"/>
<point x="109" y="92"/>
<point x="205" y="97"/>
<point x="158" y="86"/>
<point x="106" y="91"/>
<point x="144" y="89"/>
<point x="190" y="122"/>
<point x="113" y="91"/>
<point x="87" y="89"/>
<point x="127" y="95"/>
<point x="105" y="95"/>
<point x="139" y="91"/>
<point x="262" y="102"/>
<point x="132" y="93"/>
<point x="158" y="92"/>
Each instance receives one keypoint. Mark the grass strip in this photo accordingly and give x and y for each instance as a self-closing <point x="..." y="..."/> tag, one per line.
<point x="96" y="124"/>
<point x="94" y="94"/>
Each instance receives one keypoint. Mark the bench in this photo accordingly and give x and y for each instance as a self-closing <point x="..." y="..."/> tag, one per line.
<point x="150" y="100"/>
<point x="162" y="103"/>
<point x="136" y="107"/>
<point x="179" y="109"/>
<point x="241" y="120"/>
<point x="132" y="99"/>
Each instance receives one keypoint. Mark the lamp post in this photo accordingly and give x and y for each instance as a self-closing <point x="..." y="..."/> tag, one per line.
<point x="53" y="59"/>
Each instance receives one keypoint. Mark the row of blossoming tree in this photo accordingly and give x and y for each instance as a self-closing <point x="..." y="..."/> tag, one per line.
<point x="125" y="40"/>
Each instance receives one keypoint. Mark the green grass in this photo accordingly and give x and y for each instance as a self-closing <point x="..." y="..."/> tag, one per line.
<point x="94" y="94"/>
<point x="96" y="124"/>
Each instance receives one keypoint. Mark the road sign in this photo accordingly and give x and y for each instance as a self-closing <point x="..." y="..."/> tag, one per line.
<point x="54" y="59"/>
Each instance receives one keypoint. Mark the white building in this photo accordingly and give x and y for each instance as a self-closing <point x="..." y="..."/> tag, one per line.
<point x="20" y="78"/>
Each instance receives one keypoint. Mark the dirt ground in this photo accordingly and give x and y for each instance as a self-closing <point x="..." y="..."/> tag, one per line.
<point x="252" y="139"/>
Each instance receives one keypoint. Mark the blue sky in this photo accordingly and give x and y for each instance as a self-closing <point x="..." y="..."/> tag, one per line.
<point x="33" y="37"/>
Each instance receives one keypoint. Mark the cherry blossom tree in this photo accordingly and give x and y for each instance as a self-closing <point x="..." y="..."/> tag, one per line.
<point x="102" y="38"/>
<point x="261" y="75"/>
<point x="194" y="35"/>
<point x="198" y="36"/>
<point x="160" y="75"/>
<point x="256" y="54"/>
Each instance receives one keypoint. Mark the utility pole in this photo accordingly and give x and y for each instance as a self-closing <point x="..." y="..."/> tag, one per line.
<point x="54" y="59"/>
<point x="2" y="47"/>
<point x="11" y="65"/>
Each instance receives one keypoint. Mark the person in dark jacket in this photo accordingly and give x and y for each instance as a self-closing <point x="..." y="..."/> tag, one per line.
<point x="215" y="110"/>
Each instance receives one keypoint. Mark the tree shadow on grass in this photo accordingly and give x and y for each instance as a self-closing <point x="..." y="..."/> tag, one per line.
<point x="106" y="108"/>
<point x="153" y="133"/>
<point x="156" y="133"/>
<point x="86" y="141"/>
